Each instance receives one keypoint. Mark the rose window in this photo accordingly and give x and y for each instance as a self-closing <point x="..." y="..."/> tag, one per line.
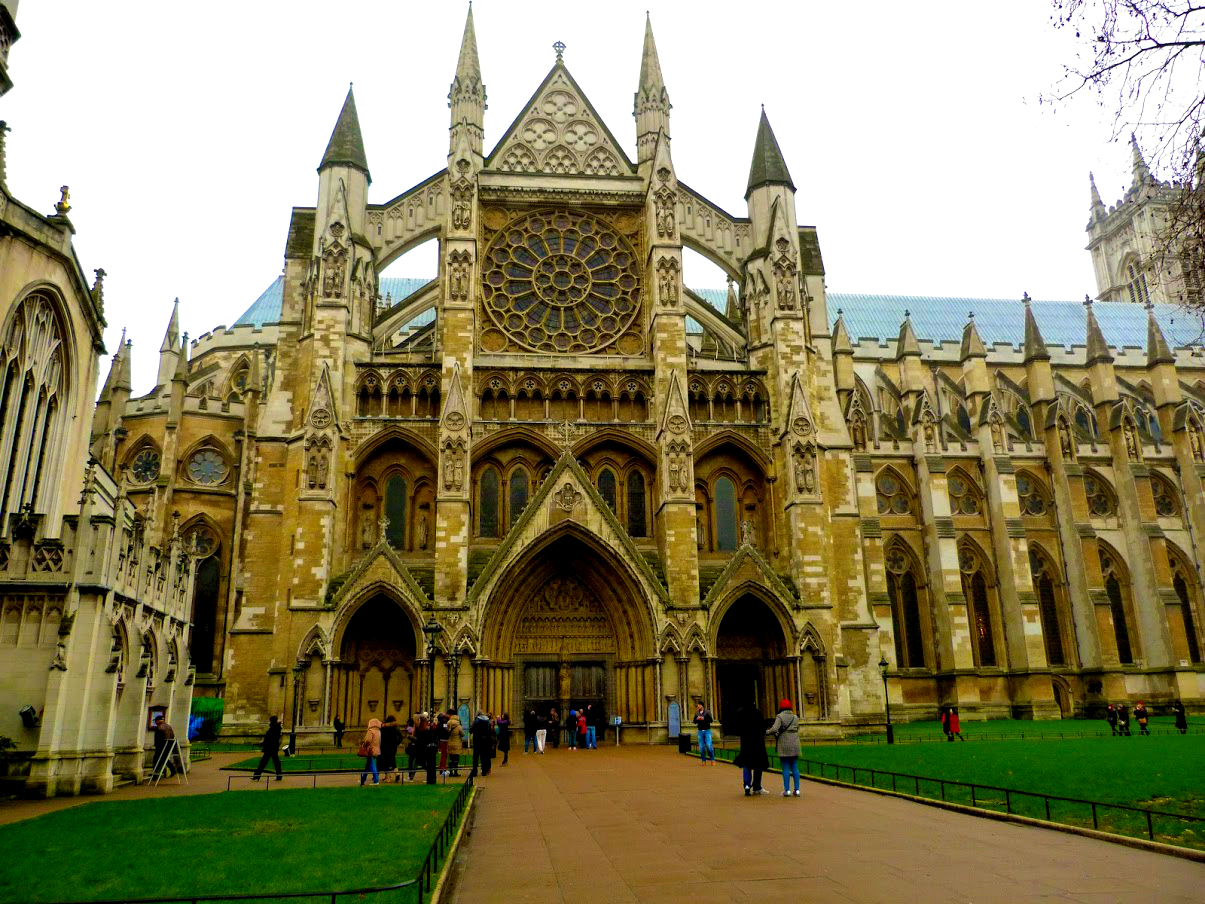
<point x="963" y="499"/>
<point x="207" y="467"/>
<point x="201" y="542"/>
<point x="1100" y="502"/>
<point x="892" y="496"/>
<point x="145" y="467"/>
<point x="1031" y="499"/>
<point x="560" y="281"/>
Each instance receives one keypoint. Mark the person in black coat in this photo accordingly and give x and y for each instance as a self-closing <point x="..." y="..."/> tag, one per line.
<point x="391" y="739"/>
<point x="752" y="757"/>
<point x="270" y="746"/>
<point x="503" y="729"/>
<point x="529" y="730"/>
<point x="340" y="726"/>
<point x="481" y="732"/>
<point x="1181" y="717"/>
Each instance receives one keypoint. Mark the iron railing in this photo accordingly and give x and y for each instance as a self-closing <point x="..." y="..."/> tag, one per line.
<point x="268" y="778"/>
<point x="1115" y="819"/>
<point x="417" y="889"/>
<point x="975" y="735"/>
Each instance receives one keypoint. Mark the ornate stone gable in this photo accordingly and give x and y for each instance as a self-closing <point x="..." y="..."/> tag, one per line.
<point x="454" y="444"/>
<point x="748" y="567"/>
<point x="674" y="437"/>
<point x="559" y="133"/>
<point x="382" y="566"/>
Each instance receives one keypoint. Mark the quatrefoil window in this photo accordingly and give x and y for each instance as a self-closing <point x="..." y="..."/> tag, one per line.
<point x="207" y="467"/>
<point x="561" y="281"/>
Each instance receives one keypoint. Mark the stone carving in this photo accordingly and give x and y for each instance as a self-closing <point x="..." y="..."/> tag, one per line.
<point x="929" y="430"/>
<point x="459" y="265"/>
<point x="664" y="203"/>
<point x="453" y="466"/>
<point x="677" y="467"/>
<point x="1194" y="441"/>
<point x="334" y="271"/>
<point x="1130" y="433"/>
<point x="1066" y="445"/>
<point x="801" y="426"/>
<point x="997" y="435"/>
<point x="805" y="469"/>
<point x="320" y="418"/>
<point x="677" y="423"/>
<point x="700" y="536"/>
<point x="454" y="420"/>
<point x="317" y="462"/>
<point x="785" y="278"/>
<point x="559" y="135"/>
<point x="423" y="531"/>
<point x="368" y="537"/>
<point x="667" y="282"/>
<point x="60" y="658"/>
<point x="462" y="203"/>
<point x="567" y="497"/>
<point x="748" y="538"/>
<point x="857" y="423"/>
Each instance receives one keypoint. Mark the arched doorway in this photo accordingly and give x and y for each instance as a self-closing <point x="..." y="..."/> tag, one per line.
<point x="568" y="626"/>
<point x="751" y="662"/>
<point x="376" y="675"/>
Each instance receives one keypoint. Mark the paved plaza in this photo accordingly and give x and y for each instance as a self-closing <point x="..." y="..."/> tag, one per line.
<point x="647" y="824"/>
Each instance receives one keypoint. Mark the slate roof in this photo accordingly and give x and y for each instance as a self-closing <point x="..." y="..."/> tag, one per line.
<point x="768" y="165"/>
<point x="266" y="308"/>
<point x="346" y="147"/>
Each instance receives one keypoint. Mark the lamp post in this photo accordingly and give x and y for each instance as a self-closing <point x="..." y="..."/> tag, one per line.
<point x="296" y="699"/>
<point x="432" y="629"/>
<point x="884" y="665"/>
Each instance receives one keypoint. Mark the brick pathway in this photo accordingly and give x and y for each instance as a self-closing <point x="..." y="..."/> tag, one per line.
<point x="647" y="824"/>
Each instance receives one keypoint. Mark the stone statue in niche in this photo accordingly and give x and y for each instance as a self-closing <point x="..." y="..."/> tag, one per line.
<point x="858" y="429"/>
<point x="667" y="281"/>
<point x="336" y="269"/>
<point x="367" y="535"/>
<point x="997" y="436"/>
<point x="786" y="289"/>
<point x="700" y="536"/>
<point x="664" y="201"/>
<point x="805" y="469"/>
<point x="1065" y="443"/>
<point x="1131" y="438"/>
<point x="453" y="466"/>
<point x="311" y="471"/>
<point x="675" y="471"/>
<point x="1194" y="442"/>
<point x="423" y="528"/>
<point x="747" y="536"/>
<point x="323" y="467"/>
<point x="930" y="432"/>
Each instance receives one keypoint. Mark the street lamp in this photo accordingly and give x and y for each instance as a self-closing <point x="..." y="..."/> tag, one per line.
<point x="432" y="629"/>
<point x="884" y="665"/>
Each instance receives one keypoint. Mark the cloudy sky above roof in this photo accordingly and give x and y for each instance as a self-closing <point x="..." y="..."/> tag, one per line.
<point x="912" y="131"/>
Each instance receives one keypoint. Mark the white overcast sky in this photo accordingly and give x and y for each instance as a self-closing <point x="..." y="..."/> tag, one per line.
<point x="912" y="131"/>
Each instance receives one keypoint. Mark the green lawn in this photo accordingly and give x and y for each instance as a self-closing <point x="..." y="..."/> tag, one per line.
<point x="232" y="843"/>
<point x="1027" y="728"/>
<point x="1162" y="772"/>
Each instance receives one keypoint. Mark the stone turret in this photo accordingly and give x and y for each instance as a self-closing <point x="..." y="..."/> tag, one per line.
<point x="466" y="97"/>
<point x="169" y="350"/>
<point x="651" y="104"/>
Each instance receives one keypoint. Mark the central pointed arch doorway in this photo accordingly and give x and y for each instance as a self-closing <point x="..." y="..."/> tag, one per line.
<point x="569" y="626"/>
<point x="376" y="674"/>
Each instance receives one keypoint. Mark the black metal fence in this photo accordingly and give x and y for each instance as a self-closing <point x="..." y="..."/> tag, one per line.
<point x="268" y="779"/>
<point x="1117" y="819"/>
<point x="415" y="890"/>
<point x="973" y="735"/>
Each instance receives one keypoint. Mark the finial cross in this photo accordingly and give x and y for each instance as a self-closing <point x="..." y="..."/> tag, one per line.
<point x="559" y="47"/>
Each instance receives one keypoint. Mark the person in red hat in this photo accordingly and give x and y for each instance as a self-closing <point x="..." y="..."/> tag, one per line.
<point x="786" y="743"/>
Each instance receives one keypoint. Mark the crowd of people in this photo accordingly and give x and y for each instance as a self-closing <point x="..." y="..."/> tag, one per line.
<point x="583" y="729"/>
<point x="1118" y="716"/>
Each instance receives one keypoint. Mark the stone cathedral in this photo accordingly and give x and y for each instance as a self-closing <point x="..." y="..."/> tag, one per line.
<point x="561" y="475"/>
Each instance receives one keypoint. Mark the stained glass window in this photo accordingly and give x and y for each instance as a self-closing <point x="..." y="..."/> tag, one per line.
<point x="488" y="503"/>
<point x="636" y="519"/>
<point x="727" y="530"/>
<point x="145" y="467"/>
<point x="207" y="467"/>
<point x="1100" y="499"/>
<point x="606" y="487"/>
<point x="395" y="511"/>
<point x="964" y="498"/>
<point x="518" y="494"/>
<point x="905" y="607"/>
<point x="892" y="495"/>
<point x="1052" y="631"/>
<point x="1033" y="501"/>
<point x="1121" y="629"/>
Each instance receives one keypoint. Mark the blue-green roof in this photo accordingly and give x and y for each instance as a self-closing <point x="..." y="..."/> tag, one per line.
<point x="266" y="308"/>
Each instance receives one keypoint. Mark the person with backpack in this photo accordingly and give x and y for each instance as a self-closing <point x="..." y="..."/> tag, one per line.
<point x="1111" y="718"/>
<point x="1123" y="720"/>
<point x="455" y="743"/>
<point x="752" y="757"/>
<point x="785" y="731"/>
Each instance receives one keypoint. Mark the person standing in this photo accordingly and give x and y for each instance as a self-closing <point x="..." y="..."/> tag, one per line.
<point x="554" y="728"/>
<point x="455" y="744"/>
<point x="591" y="727"/>
<point x="571" y="730"/>
<point x="370" y="749"/>
<point x="423" y="741"/>
<point x="340" y="726"/>
<point x="541" y="732"/>
<point x="1111" y="718"/>
<point x="1181" y="717"/>
<point x="391" y="739"/>
<point x="955" y="726"/>
<point x="482" y="735"/>
<point x="752" y="757"/>
<point x="270" y="746"/>
<point x="703" y="724"/>
<point x="582" y="726"/>
<point x="441" y="735"/>
<point x="529" y="730"/>
<point x="504" y="738"/>
<point x="786" y="743"/>
<point x="1142" y="717"/>
<point x="944" y="716"/>
<point x="165" y="739"/>
<point x="1123" y="720"/>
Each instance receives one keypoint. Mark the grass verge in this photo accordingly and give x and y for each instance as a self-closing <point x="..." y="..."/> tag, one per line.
<point x="234" y="843"/>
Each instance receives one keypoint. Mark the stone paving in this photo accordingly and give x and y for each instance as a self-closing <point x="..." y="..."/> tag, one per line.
<point x="648" y="824"/>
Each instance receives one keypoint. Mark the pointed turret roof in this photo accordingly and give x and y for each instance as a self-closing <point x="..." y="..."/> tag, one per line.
<point x="907" y="345"/>
<point x="732" y="308"/>
<point x="841" y="343"/>
<point x="1157" y="349"/>
<point x="972" y="344"/>
<point x="181" y="374"/>
<point x="1098" y="206"/>
<point x="124" y="378"/>
<point x="1142" y="173"/>
<point x="172" y="337"/>
<point x="1098" y="350"/>
<point x="468" y="67"/>
<point x="346" y="147"/>
<point x="1035" y="346"/>
<point x="768" y="167"/>
<point x="651" y="80"/>
<point x="114" y="367"/>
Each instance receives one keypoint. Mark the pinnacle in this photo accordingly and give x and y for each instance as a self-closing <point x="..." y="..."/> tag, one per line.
<point x="468" y="66"/>
<point x="1157" y="349"/>
<point x="768" y="167"/>
<point x="972" y="342"/>
<point x="172" y="337"/>
<point x="651" y="80"/>
<point x="1035" y="346"/>
<point x="1097" y="347"/>
<point x="907" y="344"/>
<point x="346" y="147"/>
<point x="841" y="343"/>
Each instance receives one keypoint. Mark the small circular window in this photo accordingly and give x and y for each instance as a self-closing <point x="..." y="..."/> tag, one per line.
<point x="145" y="466"/>
<point x="892" y="496"/>
<point x="207" y="467"/>
<point x="1100" y="502"/>
<point x="201" y="541"/>
<point x="1032" y="501"/>
<point x="963" y="500"/>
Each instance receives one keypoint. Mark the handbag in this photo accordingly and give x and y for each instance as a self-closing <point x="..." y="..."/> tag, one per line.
<point x="365" y="749"/>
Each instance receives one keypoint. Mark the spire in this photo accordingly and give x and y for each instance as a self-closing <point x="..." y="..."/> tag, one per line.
<point x="346" y="147"/>
<point x="1098" y="206"/>
<point x="1157" y="349"/>
<point x="1035" y="346"/>
<point x="1098" y="349"/>
<point x="972" y="344"/>
<point x="651" y="104"/>
<point x="732" y="309"/>
<point x="181" y="374"/>
<point x="1142" y="173"/>
<point x="907" y="345"/>
<point x="468" y="67"/>
<point x="124" y="380"/>
<point x="841" y="343"/>
<point x="768" y="167"/>
<point x="114" y="368"/>
<point x="172" y="337"/>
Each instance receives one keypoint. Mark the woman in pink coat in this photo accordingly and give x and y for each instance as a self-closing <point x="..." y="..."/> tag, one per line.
<point x="371" y="745"/>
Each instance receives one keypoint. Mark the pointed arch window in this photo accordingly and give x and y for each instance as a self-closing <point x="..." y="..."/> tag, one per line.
<point x="519" y="489"/>
<point x="1032" y="495"/>
<point x="607" y="488"/>
<point x="727" y="528"/>
<point x="396" y="491"/>
<point x="1166" y="504"/>
<point x="893" y="496"/>
<point x="1115" y="589"/>
<point x="1024" y="422"/>
<point x="964" y="417"/>
<point x="488" y="504"/>
<point x="637" y="522"/>
<point x="1101" y="501"/>
<point x="1086" y="421"/>
<point x="964" y="495"/>
<point x="905" y="609"/>
<point x="1185" y="589"/>
<point x="974" y="588"/>
<point x="1044" y="586"/>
